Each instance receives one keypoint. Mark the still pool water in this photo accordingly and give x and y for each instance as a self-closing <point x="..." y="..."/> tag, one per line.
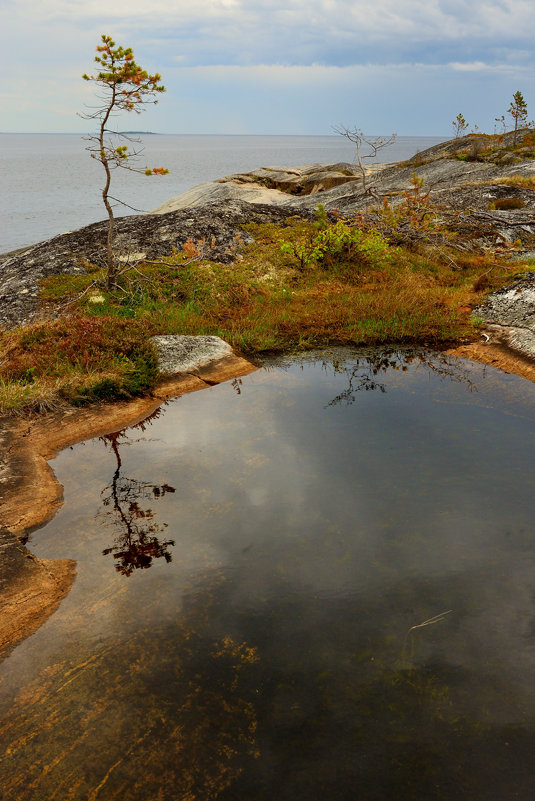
<point x="314" y="583"/>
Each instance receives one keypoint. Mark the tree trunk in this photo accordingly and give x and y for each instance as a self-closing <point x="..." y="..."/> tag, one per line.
<point x="110" y="261"/>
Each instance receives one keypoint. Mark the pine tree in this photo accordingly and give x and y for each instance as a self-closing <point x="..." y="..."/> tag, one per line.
<point x="122" y="86"/>
<point x="518" y="110"/>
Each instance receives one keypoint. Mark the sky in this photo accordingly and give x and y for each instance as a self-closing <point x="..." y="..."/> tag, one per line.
<point x="274" y="66"/>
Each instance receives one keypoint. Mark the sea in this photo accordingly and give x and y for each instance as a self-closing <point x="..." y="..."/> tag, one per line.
<point x="50" y="185"/>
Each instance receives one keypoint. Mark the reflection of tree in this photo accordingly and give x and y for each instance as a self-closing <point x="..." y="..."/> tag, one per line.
<point x="362" y="372"/>
<point x="137" y="543"/>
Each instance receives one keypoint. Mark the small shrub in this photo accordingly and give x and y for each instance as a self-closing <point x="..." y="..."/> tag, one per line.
<point x="507" y="204"/>
<point x="330" y="244"/>
<point x="343" y="242"/>
<point x="304" y="249"/>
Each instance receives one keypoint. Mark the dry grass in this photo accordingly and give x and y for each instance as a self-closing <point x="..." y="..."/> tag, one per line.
<point x="266" y="301"/>
<point x="521" y="181"/>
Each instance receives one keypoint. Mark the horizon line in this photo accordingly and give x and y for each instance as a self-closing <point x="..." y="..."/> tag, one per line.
<point x="159" y="133"/>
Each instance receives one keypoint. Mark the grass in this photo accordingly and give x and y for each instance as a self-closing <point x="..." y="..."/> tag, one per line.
<point x="522" y="181"/>
<point x="358" y="291"/>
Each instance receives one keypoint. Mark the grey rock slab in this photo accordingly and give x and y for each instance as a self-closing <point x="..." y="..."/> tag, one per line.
<point x="185" y="354"/>
<point x="511" y="311"/>
<point x="275" y="185"/>
<point x="514" y="305"/>
<point x="217" y="191"/>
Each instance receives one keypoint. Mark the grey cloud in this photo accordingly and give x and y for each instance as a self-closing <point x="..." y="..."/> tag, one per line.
<point x="304" y="32"/>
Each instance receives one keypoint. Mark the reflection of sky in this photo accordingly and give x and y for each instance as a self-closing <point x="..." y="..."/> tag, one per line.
<point x="395" y="508"/>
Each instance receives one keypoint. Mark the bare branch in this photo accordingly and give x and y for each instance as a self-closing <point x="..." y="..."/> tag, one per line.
<point x="360" y="140"/>
<point x="133" y="208"/>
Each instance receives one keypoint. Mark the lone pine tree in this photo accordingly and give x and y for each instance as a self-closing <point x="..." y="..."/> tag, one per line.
<point x="122" y="85"/>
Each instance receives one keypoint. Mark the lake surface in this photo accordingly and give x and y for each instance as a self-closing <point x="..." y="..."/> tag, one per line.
<point x="316" y="582"/>
<point x="51" y="185"/>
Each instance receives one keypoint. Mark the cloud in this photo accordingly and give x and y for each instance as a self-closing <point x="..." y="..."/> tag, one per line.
<point x="481" y="66"/>
<point x="302" y="32"/>
<point x="225" y="62"/>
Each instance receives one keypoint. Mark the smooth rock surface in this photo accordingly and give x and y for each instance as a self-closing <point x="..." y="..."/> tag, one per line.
<point x="277" y="185"/>
<point x="339" y="186"/>
<point x="184" y="354"/>
<point x="510" y="313"/>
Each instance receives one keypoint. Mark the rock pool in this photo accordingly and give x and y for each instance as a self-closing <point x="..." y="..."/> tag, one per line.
<point x="314" y="582"/>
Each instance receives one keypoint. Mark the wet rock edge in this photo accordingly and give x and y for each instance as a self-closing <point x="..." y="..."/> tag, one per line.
<point x="31" y="589"/>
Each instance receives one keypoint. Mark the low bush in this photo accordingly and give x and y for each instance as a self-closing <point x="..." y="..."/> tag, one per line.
<point x="80" y="359"/>
<point x="507" y="204"/>
<point x="342" y="243"/>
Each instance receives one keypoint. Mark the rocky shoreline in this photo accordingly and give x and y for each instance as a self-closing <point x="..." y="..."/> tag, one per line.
<point x="215" y="214"/>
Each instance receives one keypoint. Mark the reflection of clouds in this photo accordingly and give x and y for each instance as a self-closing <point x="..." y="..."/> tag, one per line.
<point x="382" y="513"/>
<point x="282" y="473"/>
<point x="296" y="455"/>
<point x="416" y="490"/>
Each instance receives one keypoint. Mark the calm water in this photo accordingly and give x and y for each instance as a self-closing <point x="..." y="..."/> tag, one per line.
<point x="314" y="583"/>
<point x="50" y="184"/>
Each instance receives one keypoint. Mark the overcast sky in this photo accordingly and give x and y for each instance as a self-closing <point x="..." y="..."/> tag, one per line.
<point x="273" y="67"/>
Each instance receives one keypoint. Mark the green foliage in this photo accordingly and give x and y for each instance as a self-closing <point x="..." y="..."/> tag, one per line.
<point x="130" y="85"/>
<point x="330" y="244"/>
<point x="460" y="126"/>
<point x="304" y="250"/>
<point x="322" y="218"/>
<point x="343" y="241"/>
<point x="518" y="109"/>
<point x="122" y="85"/>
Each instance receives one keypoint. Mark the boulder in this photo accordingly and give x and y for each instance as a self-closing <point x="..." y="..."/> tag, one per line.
<point x="510" y="312"/>
<point x="183" y="354"/>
